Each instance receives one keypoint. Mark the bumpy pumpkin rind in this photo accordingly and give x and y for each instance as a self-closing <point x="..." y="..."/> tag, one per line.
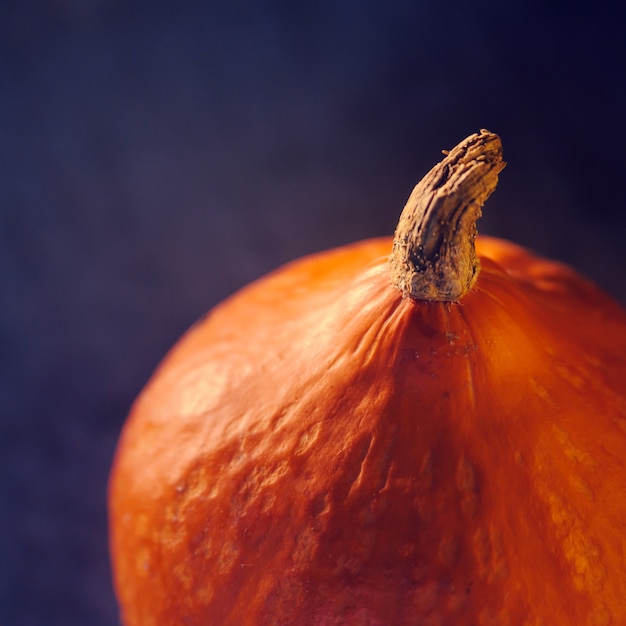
<point x="319" y="450"/>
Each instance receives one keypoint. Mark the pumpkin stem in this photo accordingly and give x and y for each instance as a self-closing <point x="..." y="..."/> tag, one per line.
<point x="433" y="256"/>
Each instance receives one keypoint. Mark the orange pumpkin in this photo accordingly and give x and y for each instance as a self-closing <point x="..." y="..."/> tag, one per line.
<point x="332" y="447"/>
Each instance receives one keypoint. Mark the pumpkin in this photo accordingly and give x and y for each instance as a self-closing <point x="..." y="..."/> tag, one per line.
<point x="432" y="438"/>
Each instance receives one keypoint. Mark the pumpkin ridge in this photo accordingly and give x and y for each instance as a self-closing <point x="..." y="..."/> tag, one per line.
<point x="471" y="346"/>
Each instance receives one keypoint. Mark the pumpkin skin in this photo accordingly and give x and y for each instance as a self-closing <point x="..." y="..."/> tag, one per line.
<point x="319" y="450"/>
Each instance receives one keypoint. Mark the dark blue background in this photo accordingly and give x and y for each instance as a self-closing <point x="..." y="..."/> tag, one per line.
<point x="155" y="156"/>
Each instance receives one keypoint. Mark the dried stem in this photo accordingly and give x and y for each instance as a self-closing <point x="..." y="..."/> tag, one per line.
<point x="433" y="256"/>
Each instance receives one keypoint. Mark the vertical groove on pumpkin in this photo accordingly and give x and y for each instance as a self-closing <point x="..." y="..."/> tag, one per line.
<point x="433" y="256"/>
<point x="471" y="385"/>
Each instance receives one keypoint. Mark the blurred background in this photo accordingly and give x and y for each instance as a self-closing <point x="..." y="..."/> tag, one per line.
<point x="156" y="156"/>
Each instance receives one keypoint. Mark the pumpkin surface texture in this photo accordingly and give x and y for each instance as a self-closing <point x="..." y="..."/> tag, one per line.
<point x="435" y="439"/>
